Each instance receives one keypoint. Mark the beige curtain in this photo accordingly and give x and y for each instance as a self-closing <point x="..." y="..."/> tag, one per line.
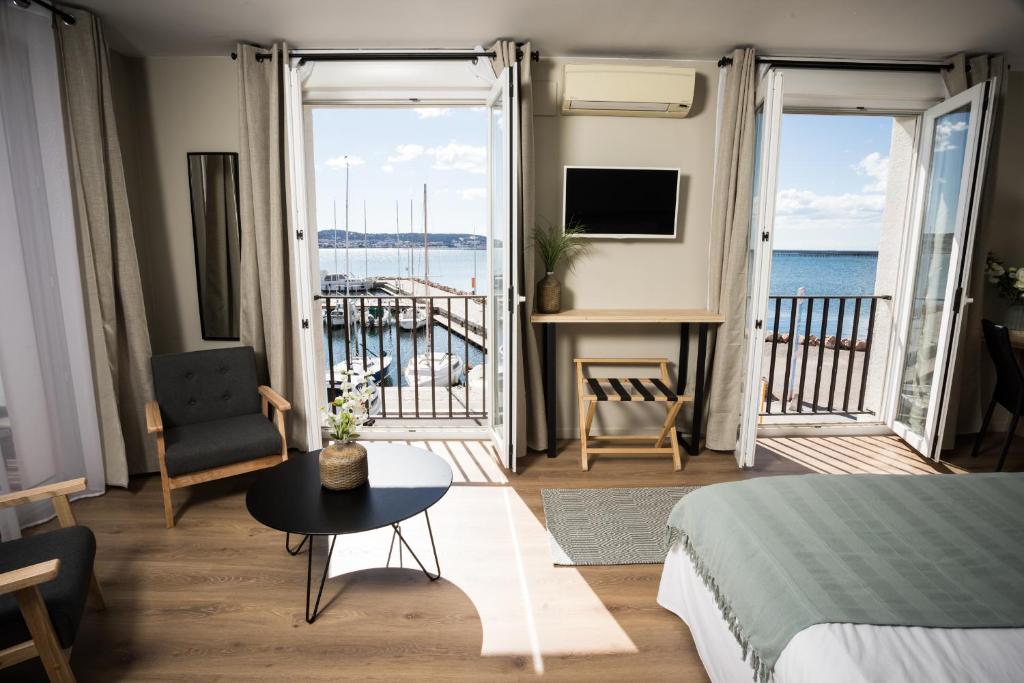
<point x="270" y="321"/>
<point x="730" y="225"/>
<point x="531" y="429"/>
<point x="972" y="374"/>
<point x="115" y="312"/>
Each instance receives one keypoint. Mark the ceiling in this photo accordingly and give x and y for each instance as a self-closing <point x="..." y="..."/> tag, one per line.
<point x="657" y="28"/>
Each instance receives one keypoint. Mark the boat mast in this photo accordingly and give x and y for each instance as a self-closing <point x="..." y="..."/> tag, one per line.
<point x="412" y="266"/>
<point x="398" y="245"/>
<point x="426" y="262"/>
<point x="348" y="270"/>
<point x="366" y="248"/>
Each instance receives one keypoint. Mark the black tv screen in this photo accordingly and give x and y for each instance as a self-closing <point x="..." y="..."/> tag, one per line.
<point x="622" y="202"/>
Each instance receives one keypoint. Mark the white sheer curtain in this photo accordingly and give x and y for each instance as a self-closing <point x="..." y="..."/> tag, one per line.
<point x="48" y="428"/>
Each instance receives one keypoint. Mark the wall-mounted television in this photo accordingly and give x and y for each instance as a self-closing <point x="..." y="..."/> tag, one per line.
<point x="622" y="203"/>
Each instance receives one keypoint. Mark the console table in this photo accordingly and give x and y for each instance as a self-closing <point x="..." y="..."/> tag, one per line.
<point x="684" y="317"/>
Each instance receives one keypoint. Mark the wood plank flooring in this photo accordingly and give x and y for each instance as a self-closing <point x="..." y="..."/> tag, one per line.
<point x="217" y="597"/>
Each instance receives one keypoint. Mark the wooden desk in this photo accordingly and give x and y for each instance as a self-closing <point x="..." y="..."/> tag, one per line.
<point x="683" y="317"/>
<point x="1017" y="339"/>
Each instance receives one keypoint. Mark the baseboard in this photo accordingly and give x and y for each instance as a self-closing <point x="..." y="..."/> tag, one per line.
<point x="853" y="429"/>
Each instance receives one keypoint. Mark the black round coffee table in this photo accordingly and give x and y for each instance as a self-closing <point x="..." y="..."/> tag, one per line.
<point x="403" y="482"/>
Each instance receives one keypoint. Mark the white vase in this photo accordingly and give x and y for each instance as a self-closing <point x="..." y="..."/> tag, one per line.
<point x="1014" y="319"/>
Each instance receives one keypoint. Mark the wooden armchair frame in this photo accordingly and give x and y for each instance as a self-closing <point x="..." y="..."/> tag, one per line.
<point x="24" y="584"/>
<point x="154" y="425"/>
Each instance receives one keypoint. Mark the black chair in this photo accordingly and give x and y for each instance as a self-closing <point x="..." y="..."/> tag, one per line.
<point x="45" y="579"/>
<point x="212" y="419"/>
<point x="1009" y="391"/>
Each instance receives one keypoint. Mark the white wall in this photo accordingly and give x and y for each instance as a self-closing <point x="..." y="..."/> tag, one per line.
<point x="183" y="104"/>
<point x="628" y="273"/>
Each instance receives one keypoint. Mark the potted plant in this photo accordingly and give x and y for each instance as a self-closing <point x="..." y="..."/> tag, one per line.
<point x="343" y="462"/>
<point x="1009" y="283"/>
<point x="557" y="247"/>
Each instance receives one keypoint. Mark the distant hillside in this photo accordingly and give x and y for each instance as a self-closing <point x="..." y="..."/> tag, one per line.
<point x="443" y="240"/>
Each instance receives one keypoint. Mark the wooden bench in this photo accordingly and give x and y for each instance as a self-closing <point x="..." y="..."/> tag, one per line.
<point x="593" y="390"/>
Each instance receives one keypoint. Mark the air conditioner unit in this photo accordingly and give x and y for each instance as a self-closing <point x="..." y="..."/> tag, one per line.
<point x="626" y="90"/>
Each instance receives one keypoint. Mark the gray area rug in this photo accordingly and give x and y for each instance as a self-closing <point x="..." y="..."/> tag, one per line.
<point x="609" y="526"/>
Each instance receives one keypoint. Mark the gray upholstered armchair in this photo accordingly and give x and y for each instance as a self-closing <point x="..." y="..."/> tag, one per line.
<point x="45" y="579"/>
<point x="212" y="419"/>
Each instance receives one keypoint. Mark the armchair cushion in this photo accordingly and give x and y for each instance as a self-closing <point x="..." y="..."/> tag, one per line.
<point x="214" y="443"/>
<point x="64" y="596"/>
<point x="200" y="386"/>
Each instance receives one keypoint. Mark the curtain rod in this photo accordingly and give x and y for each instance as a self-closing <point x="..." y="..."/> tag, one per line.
<point x="53" y="9"/>
<point x="847" y="64"/>
<point x="389" y="55"/>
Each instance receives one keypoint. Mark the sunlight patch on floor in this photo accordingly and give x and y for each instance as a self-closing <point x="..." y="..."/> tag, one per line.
<point x="850" y="454"/>
<point x="493" y="548"/>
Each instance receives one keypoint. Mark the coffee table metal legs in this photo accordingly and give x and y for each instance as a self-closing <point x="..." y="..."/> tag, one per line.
<point x="397" y="533"/>
<point x="298" y="548"/>
<point x="311" y="617"/>
<point x="401" y="541"/>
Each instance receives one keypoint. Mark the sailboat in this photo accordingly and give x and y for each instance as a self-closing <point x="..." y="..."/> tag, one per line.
<point x="407" y="320"/>
<point x="433" y="368"/>
<point x="338" y="282"/>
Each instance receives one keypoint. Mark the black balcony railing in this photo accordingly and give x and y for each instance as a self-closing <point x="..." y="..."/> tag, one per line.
<point x="382" y="335"/>
<point x="829" y="333"/>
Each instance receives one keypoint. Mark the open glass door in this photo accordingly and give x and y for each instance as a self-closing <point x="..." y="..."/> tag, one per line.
<point x="502" y="145"/>
<point x="951" y="161"/>
<point x="767" y="127"/>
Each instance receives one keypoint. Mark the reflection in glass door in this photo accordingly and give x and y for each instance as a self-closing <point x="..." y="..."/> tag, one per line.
<point x="499" y="222"/>
<point x="952" y="154"/>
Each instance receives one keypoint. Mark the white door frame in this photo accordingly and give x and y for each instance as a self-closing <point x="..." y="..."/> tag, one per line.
<point x="981" y="100"/>
<point x="770" y="96"/>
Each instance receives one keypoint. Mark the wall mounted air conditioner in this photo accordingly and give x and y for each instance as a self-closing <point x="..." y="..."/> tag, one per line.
<point x="627" y="90"/>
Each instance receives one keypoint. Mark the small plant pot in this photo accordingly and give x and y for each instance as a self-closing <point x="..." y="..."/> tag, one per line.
<point x="549" y="294"/>
<point x="343" y="466"/>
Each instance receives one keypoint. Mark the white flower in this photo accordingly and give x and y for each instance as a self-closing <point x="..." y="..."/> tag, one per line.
<point x="996" y="269"/>
<point x="1019" y="280"/>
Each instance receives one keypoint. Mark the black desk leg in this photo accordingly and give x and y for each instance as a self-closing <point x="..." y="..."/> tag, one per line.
<point x="550" y="398"/>
<point x="698" y="388"/>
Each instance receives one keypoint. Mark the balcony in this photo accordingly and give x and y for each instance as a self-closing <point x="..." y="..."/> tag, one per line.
<point x="818" y="358"/>
<point x="381" y="335"/>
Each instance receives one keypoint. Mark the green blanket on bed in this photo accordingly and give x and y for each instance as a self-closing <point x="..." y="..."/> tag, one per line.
<point x="781" y="554"/>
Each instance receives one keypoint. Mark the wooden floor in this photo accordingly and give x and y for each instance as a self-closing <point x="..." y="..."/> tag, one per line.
<point x="217" y="598"/>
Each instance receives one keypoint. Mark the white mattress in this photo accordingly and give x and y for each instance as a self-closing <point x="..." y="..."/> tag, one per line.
<point x="843" y="653"/>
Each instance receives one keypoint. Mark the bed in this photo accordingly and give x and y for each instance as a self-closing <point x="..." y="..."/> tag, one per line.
<point x="928" y="570"/>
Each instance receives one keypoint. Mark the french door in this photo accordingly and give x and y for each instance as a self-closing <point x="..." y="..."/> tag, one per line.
<point x="767" y="126"/>
<point x="503" y="290"/>
<point x="951" y="162"/>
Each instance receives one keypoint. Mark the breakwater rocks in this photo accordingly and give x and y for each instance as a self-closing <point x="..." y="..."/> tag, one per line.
<point x="830" y="342"/>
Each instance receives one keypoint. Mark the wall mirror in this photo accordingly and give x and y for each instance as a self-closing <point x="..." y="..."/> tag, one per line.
<point x="213" y="186"/>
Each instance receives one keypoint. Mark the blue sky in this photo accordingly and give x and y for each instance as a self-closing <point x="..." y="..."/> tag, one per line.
<point x="392" y="152"/>
<point x="832" y="173"/>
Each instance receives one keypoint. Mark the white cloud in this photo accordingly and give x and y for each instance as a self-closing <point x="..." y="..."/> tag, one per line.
<point x="456" y="156"/>
<point x="807" y="220"/>
<point x="339" y="162"/>
<point x="876" y="167"/>
<point x="404" y="153"/>
<point x="946" y="130"/>
<point x="474" y="193"/>
<point x="808" y="204"/>
<point x="387" y="168"/>
<point x="432" y="112"/>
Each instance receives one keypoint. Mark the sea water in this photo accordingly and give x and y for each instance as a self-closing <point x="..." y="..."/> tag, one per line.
<point x="822" y="273"/>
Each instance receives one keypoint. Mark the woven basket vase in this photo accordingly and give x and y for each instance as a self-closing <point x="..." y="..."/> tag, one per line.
<point x="549" y="294"/>
<point x="343" y="466"/>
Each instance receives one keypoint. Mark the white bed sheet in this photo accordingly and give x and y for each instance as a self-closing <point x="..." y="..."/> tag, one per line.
<point x="843" y="653"/>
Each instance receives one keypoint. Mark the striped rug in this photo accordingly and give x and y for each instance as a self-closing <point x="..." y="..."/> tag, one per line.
<point x="609" y="526"/>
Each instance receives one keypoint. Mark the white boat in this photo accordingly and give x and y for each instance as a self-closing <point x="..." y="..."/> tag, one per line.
<point x="338" y="315"/>
<point x="341" y="283"/>
<point x="376" y="367"/>
<point x="434" y="367"/>
<point x="379" y="316"/>
<point x="406" y="319"/>
<point x="475" y="378"/>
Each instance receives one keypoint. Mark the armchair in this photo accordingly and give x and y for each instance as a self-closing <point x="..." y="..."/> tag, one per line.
<point x="44" y="581"/>
<point x="212" y="419"/>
